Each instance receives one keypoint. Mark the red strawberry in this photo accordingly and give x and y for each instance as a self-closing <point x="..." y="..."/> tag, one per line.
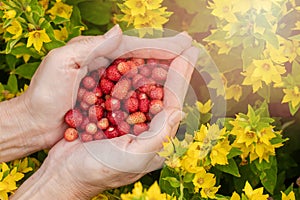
<point x="73" y="118"/>
<point x="80" y="93"/>
<point x="133" y="69"/>
<point x="123" y="128"/>
<point x="159" y="74"/>
<point x="145" y="71"/>
<point x="121" y="88"/>
<point x="85" y="121"/>
<point x="112" y="73"/>
<point x="135" y="80"/>
<point x="111" y="117"/>
<point x="88" y="82"/>
<point x="97" y="92"/>
<point x="123" y="67"/>
<point x="112" y="104"/>
<point x="91" y="128"/>
<point x="101" y="72"/>
<point x="156" y="93"/>
<point x="152" y="61"/>
<point x="119" y="116"/>
<point x="131" y="104"/>
<point x="138" y="61"/>
<point x="95" y="113"/>
<point x="155" y="106"/>
<point x="135" y="118"/>
<point x="99" y="135"/>
<point x="103" y="123"/>
<point x="90" y="98"/>
<point x="144" y="105"/>
<point x="142" y="95"/>
<point x="119" y="60"/>
<point x="140" y="128"/>
<point x="131" y="94"/>
<point x="106" y="85"/>
<point x="71" y="134"/>
<point x="111" y="132"/>
<point x="85" y="137"/>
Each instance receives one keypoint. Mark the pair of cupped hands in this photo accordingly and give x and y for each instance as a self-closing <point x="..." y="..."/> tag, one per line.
<point x="76" y="170"/>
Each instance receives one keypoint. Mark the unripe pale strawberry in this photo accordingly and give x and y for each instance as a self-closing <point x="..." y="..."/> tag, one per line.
<point x="138" y="61"/>
<point x="80" y="93"/>
<point x="90" y="98"/>
<point x="106" y="85"/>
<point x="71" y="134"/>
<point x="91" y="128"/>
<point x="84" y="106"/>
<point x="111" y="132"/>
<point x="103" y="123"/>
<point x="112" y="73"/>
<point x="152" y="61"/>
<point x="121" y="89"/>
<point x="95" y="113"/>
<point x="85" y="137"/>
<point x="140" y="128"/>
<point x="123" y="67"/>
<point x="88" y="82"/>
<point x="136" y="117"/>
<point x="155" y="106"/>
<point x="131" y="104"/>
<point x="112" y="104"/>
<point x="73" y="118"/>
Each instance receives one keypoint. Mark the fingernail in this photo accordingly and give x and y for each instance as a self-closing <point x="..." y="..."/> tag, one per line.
<point x="176" y="117"/>
<point x="113" y="31"/>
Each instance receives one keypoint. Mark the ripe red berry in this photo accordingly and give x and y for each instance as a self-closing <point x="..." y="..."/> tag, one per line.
<point x="135" y="118"/>
<point x="140" y="128"/>
<point x="91" y="128"/>
<point x="123" y="67"/>
<point x="156" y="93"/>
<point x="159" y="74"/>
<point x="111" y="117"/>
<point x="113" y="73"/>
<point x="97" y="91"/>
<point x="103" y="123"/>
<point x="131" y="94"/>
<point x="112" y="104"/>
<point x="133" y="69"/>
<point x="144" y="105"/>
<point x="118" y="60"/>
<point x="131" y="104"/>
<point x="99" y="135"/>
<point x="121" y="89"/>
<point x="95" y="113"/>
<point x="71" y="134"/>
<point x="106" y="85"/>
<point x="155" y="106"/>
<point x="90" y="98"/>
<point x="88" y="82"/>
<point x="85" y="137"/>
<point x="142" y="95"/>
<point x="73" y="118"/>
<point x="123" y="128"/>
<point x="111" y="132"/>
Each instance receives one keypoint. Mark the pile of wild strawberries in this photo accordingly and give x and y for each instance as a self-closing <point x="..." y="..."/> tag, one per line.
<point x="117" y="100"/>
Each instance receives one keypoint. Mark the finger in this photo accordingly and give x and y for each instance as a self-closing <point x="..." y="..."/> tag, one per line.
<point x="160" y="48"/>
<point x="179" y="76"/>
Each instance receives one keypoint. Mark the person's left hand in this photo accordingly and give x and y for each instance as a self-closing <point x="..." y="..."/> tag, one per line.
<point x="82" y="170"/>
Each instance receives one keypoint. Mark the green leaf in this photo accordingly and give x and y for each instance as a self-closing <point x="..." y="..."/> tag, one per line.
<point x="20" y="50"/>
<point x="269" y="177"/>
<point x="230" y="168"/>
<point x="173" y="181"/>
<point x="247" y="174"/>
<point x="188" y="177"/>
<point x="201" y="22"/>
<point x="192" y="6"/>
<point x="27" y="70"/>
<point x="271" y="38"/>
<point x="164" y="184"/>
<point x="11" y="61"/>
<point x="60" y="20"/>
<point x="234" y="151"/>
<point x="12" y="84"/>
<point x="293" y="110"/>
<point x="53" y="44"/>
<point x="95" y="11"/>
<point x="295" y="37"/>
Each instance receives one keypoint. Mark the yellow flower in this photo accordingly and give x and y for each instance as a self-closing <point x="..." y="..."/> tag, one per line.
<point x="153" y="4"/>
<point x="266" y="134"/>
<point x="44" y="4"/>
<point x="203" y="180"/>
<point x="137" y="7"/>
<point x="233" y="92"/>
<point x="254" y="194"/>
<point x="209" y="192"/>
<point x="37" y="38"/>
<point x="255" y="82"/>
<point x="15" y="29"/>
<point x="267" y="71"/>
<point x="9" y="14"/>
<point x="292" y="95"/>
<point x="223" y="10"/>
<point x="219" y="153"/>
<point x="235" y="196"/>
<point x="190" y="164"/>
<point x="61" y="34"/>
<point x="204" y="108"/>
<point x="60" y="9"/>
<point x="290" y="196"/>
<point x="262" y="5"/>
